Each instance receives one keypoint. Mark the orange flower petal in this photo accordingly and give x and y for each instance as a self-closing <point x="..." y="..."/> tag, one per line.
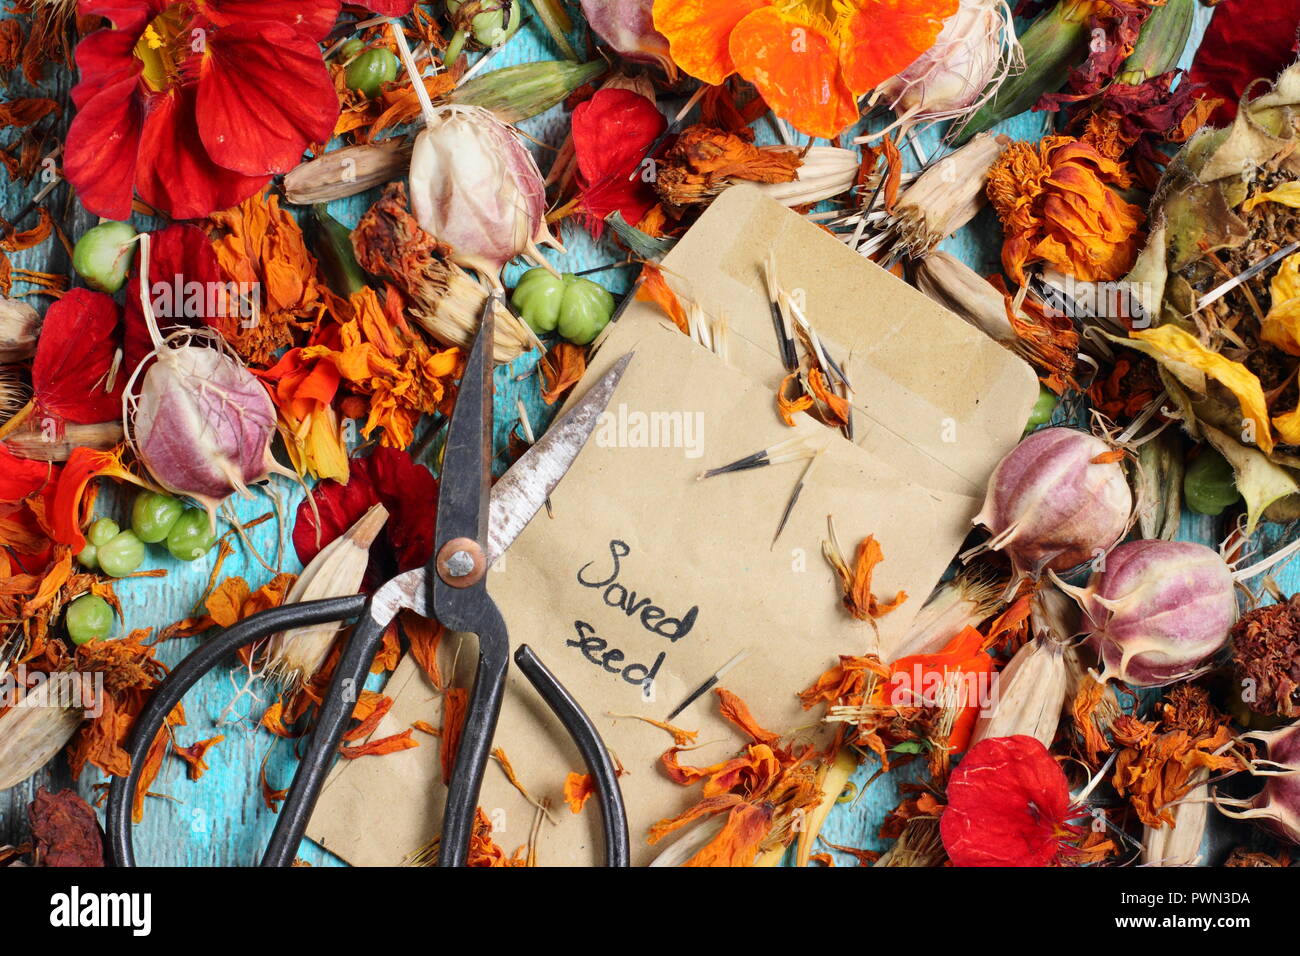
<point x="885" y="37"/>
<point x="796" y="71"/>
<point x="697" y="32"/>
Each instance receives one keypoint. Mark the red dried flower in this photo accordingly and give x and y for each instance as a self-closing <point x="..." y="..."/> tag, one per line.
<point x="611" y="133"/>
<point x="196" y="104"/>
<point x="1008" y="805"/>
<point x="74" y="360"/>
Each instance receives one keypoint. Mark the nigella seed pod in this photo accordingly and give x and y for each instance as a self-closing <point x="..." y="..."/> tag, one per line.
<point x="201" y="423"/>
<point x="1158" y="610"/>
<point x="1057" y="500"/>
<point x="475" y="187"/>
<point x="1277" y="806"/>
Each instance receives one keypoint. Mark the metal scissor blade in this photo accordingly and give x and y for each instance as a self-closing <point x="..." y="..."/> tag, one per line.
<point x="520" y="492"/>
<point x="467" y="460"/>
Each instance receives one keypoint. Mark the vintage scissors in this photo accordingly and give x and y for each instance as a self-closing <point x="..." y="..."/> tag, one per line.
<point x="476" y="522"/>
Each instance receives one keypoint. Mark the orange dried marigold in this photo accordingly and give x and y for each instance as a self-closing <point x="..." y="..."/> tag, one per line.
<point x="809" y="59"/>
<point x="1057" y="206"/>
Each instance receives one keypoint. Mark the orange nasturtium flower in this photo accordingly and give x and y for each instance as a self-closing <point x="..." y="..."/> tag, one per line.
<point x="809" y="59"/>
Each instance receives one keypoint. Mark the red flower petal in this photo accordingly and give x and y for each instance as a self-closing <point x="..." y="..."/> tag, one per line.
<point x="387" y="476"/>
<point x="20" y="477"/>
<point x="1247" y="40"/>
<point x="178" y="255"/>
<point x="174" y="172"/>
<point x="389" y="8"/>
<point x="104" y="58"/>
<point x="128" y="15"/>
<point x="79" y="338"/>
<point x="102" y="145"/>
<point x="1008" y="805"/>
<point x="314" y="19"/>
<point x="611" y="133"/>
<point x="264" y="96"/>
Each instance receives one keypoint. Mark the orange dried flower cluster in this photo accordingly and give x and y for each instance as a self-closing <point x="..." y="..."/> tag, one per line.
<point x="379" y="356"/>
<point x="1057" y="205"/>
<point x="1155" y="767"/>
<point x="763" y="793"/>
<point x="262" y="245"/>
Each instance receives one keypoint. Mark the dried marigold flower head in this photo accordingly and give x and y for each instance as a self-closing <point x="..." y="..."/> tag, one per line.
<point x="1266" y="653"/>
<point x="1057" y="205"/>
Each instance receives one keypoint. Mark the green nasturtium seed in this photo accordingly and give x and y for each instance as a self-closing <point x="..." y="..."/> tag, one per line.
<point x="495" y="22"/>
<point x="88" y="557"/>
<point x="102" y="256"/>
<point x="122" y="555"/>
<point x="576" y="307"/>
<point x="191" y="536"/>
<point x="88" y="618"/>
<point x="368" y="73"/>
<point x="153" y="514"/>
<point x="102" y="531"/>
<point x="1043" y="408"/>
<point x="352" y="48"/>
<point x="1209" y="486"/>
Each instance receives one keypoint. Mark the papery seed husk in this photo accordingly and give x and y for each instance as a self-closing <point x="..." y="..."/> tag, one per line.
<point x="965" y="601"/>
<point x="1180" y="844"/>
<point x="31" y="736"/>
<point x="293" y="656"/>
<point x="34" y="444"/>
<point x="346" y="172"/>
<point x="15" y="392"/>
<point x="1027" y="695"/>
<point x="20" y="327"/>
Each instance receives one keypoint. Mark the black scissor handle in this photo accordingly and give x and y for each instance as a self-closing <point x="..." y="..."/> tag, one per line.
<point x="594" y="752"/>
<point x="186" y="674"/>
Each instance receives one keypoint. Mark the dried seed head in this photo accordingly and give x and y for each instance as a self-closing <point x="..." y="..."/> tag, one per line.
<point x="826" y="171"/>
<point x="35" y="444"/>
<point x="947" y="196"/>
<point x="31" y="733"/>
<point x="15" y="391"/>
<point x="1179" y="844"/>
<point x="1027" y="696"/>
<point x="295" y="655"/>
<point x="346" y="172"/>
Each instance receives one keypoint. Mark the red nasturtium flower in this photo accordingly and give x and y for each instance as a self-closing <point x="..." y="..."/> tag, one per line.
<point x="1008" y="805"/>
<point x="611" y="133"/>
<point x="196" y="104"/>
<point x="809" y="59"/>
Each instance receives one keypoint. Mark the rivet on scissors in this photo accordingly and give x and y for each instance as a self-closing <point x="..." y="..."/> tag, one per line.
<point x="461" y="563"/>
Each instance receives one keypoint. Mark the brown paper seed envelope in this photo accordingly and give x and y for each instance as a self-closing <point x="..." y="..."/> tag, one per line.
<point x="647" y="577"/>
<point x="934" y="396"/>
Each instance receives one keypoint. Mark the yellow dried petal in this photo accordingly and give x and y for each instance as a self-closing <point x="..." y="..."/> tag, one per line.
<point x="1183" y="355"/>
<point x="1288" y="194"/>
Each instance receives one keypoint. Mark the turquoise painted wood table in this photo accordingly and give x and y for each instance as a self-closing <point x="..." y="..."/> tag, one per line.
<point x="221" y="820"/>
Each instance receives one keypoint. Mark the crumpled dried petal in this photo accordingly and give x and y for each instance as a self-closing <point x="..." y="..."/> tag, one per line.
<point x="1181" y="353"/>
<point x="1057" y="206"/>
